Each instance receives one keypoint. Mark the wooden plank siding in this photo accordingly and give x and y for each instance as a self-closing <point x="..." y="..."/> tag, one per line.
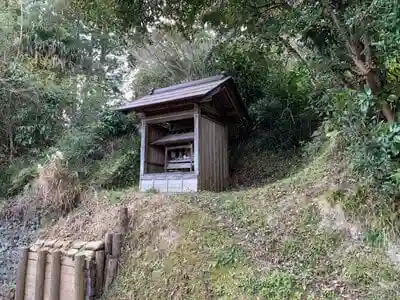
<point x="155" y="155"/>
<point x="213" y="155"/>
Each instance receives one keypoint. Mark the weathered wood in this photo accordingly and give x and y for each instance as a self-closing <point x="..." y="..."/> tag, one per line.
<point x="155" y="154"/>
<point x="196" y="142"/>
<point x="40" y="272"/>
<point x="112" y="265"/>
<point x="186" y="114"/>
<point x="108" y="241"/>
<point x="214" y="169"/>
<point x="116" y="244"/>
<point x="55" y="266"/>
<point x="143" y="147"/>
<point x="123" y="220"/>
<point x="100" y="260"/>
<point x="79" y="284"/>
<point x="21" y="274"/>
<point x="90" y="279"/>
<point x="174" y="138"/>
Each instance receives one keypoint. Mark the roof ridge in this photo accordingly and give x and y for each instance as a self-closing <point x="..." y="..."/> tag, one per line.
<point x="187" y="84"/>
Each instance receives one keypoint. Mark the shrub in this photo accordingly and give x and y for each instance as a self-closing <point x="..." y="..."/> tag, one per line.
<point x="58" y="188"/>
<point x="120" y="168"/>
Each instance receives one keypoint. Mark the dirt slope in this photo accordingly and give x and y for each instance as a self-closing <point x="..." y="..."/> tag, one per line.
<point x="285" y="240"/>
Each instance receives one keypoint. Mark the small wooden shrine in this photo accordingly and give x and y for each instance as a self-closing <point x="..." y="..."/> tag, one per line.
<point x="184" y="134"/>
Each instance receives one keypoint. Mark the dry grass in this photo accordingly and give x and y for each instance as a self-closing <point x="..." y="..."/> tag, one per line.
<point x="284" y="240"/>
<point x="58" y="188"/>
<point x="55" y="190"/>
<point x="98" y="213"/>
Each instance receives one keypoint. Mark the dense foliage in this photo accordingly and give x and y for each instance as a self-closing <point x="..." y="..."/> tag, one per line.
<point x="298" y="64"/>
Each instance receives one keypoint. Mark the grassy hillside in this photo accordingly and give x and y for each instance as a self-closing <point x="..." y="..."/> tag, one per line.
<point x="289" y="239"/>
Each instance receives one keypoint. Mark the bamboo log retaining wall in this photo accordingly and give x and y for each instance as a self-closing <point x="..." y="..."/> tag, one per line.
<point x="62" y="270"/>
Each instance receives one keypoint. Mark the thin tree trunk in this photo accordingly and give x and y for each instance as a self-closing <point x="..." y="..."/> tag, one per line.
<point x="297" y="54"/>
<point x="365" y="67"/>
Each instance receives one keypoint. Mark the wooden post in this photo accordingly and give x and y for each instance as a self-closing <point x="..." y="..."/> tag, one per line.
<point x="143" y="148"/>
<point x="124" y="220"/>
<point x="111" y="267"/>
<point x="90" y="279"/>
<point x="79" y="277"/>
<point x="40" y="269"/>
<point x="116" y="245"/>
<point x="99" y="272"/>
<point x="108" y="241"/>
<point x="21" y="275"/>
<point x="55" y="275"/>
<point x="196" y="143"/>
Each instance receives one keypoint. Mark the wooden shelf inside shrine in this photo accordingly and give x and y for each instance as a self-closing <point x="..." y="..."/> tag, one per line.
<point x="175" y="139"/>
<point x="179" y="157"/>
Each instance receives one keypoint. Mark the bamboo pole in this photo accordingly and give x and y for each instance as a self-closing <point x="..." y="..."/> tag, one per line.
<point x="40" y="270"/>
<point x="99" y="272"/>
<point x="79" y="277"/>
<point x="55" y="275"/>
<point x="21" y="275"/>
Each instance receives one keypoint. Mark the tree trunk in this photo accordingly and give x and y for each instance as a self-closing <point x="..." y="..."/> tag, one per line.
<point x="362" y="59"/>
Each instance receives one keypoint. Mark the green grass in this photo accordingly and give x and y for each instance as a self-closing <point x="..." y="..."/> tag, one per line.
<point x="270" y="242"/>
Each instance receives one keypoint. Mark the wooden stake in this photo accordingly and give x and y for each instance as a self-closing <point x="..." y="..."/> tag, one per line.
<point x="99" y="272"/>
<point x="116" y="245"/>
<point x="79" y="277"/>
<point x="124" y="220"/>
<point x="90" y="279"/>
<point x="40" y="269"/>
<point x="108" y="241"/>
<point x="55" y="275"/>
<point x="20" y="288"/>
<point x="112" y="264"/>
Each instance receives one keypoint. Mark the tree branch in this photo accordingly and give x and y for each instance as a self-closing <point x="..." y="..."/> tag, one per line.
<point x="269" y="6"/>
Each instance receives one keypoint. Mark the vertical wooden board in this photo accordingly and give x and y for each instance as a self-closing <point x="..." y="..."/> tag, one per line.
<point x="55" y="276"/>
<point x="30" y="279"/>
<point x="226" y="156"/>
<point x="196" y="143"/>
<point x="47" y="282"/>
<point x="161" y="185"/>
<point x="218" y="157"/>
<point x="21" y="274"/>
<point x="111" y="266"/>
<point x="40" y="272"/>
<point x="108" y="241"/>
<point x="143" y="147"/>
<point x="212" y="156"/>
<point x="175" y="185"/>
<point x="100" y="261"/>
<point x="79" y="277"/>
<point x="200" y="160"/>
<point x="67" y="279"/>
<point x="205" y="154"/>
<point x="223" y="154"/>
<point x="155" y="154"/>
<point x="116" y="244"/>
